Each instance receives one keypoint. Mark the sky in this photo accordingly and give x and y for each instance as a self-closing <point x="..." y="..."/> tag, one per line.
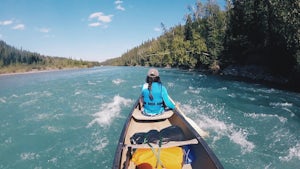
<point x="91" y="30"/>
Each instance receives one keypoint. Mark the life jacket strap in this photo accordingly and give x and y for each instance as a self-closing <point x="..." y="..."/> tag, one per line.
<point x="153" y="104"/>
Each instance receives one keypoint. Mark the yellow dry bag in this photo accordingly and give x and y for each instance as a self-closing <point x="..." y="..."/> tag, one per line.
<point x="169" y="158"/>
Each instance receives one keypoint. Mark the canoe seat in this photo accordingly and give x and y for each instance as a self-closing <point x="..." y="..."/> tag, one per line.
<point x="137" y="114"/>
<point x="166" y="145"/>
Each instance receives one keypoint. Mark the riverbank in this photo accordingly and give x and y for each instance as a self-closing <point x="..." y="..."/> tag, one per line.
<point x="35" y="71"/>
<point x="257" y="74"/>
<point x="28" y="70"/>
<point x="250" y="74"/>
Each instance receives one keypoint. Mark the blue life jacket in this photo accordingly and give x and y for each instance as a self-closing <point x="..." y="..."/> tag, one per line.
<point x="160" y="96"/>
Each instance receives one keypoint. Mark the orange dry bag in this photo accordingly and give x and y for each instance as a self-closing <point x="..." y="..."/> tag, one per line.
<point x="169" y="158"/>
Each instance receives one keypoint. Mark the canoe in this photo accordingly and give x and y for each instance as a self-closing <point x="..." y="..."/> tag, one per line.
<point x="203" y="156"/>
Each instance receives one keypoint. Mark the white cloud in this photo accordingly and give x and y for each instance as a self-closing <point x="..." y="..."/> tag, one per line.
<point x="118" y="2"/>
<point x="19" y="27"/>
<point x="119" y="5"/>
<point x="1" y="36"/>
<point x="100" y="18"/>
<point x="121" y="8"/>
<point x="157" y="29"/>
<point x="48" y="36"/>
<point x="7" y="22"/>
<point x="44" y="30"/>
<point x="95" y="24"/>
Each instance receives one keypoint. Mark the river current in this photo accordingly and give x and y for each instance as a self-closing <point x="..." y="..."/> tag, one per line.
<point x="73" y="118"/>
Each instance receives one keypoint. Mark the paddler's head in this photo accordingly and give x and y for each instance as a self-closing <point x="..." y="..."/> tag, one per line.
<point x="152" y="75"/>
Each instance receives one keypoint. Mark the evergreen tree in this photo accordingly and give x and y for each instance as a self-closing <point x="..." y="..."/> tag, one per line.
<point x="188" y="30"/>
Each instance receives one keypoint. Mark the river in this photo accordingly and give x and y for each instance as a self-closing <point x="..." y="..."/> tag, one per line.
<point x="73" y="118"/>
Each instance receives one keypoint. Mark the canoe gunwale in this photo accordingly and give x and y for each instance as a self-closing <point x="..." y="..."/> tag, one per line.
<point x="118" y="153"/>
<point x="177" y="112"/>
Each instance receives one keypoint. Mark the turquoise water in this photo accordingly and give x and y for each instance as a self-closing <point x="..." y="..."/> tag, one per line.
<point x="73" y="118"/>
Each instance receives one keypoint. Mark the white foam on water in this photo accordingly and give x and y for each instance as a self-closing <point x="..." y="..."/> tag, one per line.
<point x="29" y="156"/>
<point x="271" y="90"/>
<point x="52" y="129"/>
<point x="240" y="137"/>
<point x="261" y="115"/>
<point x="268" y="166"/>
<point x="101" y="144"/>
<point x="53" y="160"/>
<point x="222" y="89"/>
<point x="170" y="84"/>
<point x="234" y="133"/>
<point x="99" y="96"/>
<point x="2" y="100"/>
<point x="294" y="152"/>
<point x="77" y="93"/>
<point x="91" y="83"/>
<point x="279" y="104"/>
<point x="251" y="98"/>
<point x="109" y="111"/>
<point x="42" y="116"/>
<point x="47" y="93"/>
<point x="118" y="81"/>
<point x="8" y="140"/>
<point x="38" y="167"/>
<point x="84" y="151"/>
<point x="259" y="90"/>
<point x="232" y="95"/>
<point x="192" y="90"/>
<point x="29" y="103"/>
<point x="292" y="114"/>
<point x="14" y="96"/>
<point x="31" y="93"/>
<point x="136" y="86"/>
<point x="40" y="94"/>
<point x="82" y="148"/>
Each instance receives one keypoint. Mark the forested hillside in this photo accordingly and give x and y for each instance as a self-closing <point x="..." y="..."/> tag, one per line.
<point x="17" y="60"/>
<point x="263" y="33"/>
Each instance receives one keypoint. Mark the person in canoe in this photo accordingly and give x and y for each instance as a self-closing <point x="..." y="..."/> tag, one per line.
<point x="154" y="98"/>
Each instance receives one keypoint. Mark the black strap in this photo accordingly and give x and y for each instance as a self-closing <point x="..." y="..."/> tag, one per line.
<point x="153" y="104"/>
<point x="128" y="157"/>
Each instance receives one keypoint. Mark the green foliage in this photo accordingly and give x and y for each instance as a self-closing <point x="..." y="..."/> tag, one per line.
<point x="15" y="60"/>
<point x="264" y="32"/>
<point x="197" y="44"/>
<point x="188" y="29"/>
<point x="247" y="32"/>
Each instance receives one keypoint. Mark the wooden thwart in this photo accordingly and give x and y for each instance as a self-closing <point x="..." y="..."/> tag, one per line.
<point x="166" y="145"/>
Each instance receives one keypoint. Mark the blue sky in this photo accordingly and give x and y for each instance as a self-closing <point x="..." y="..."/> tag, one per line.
<point x="93" y="30"/>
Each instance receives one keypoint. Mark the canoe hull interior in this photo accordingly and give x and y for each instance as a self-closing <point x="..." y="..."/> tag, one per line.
<point x="204" y="156"/>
